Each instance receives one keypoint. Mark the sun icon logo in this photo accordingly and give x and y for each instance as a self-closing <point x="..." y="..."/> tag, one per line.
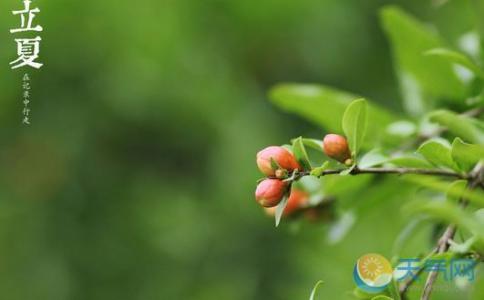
<point x="372" y="273"/>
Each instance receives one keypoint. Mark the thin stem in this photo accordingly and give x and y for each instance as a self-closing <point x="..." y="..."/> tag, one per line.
<point x="443" y="244"/>
<point x="400" y="171"/>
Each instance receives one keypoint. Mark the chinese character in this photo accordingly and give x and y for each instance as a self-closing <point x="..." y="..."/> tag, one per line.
<point x="28" y="52"/>
<point x="26" y="23"/>
<point x="26" y="120"/>
<point x="437" y="265"/>
<point x="462" y="268"/>
<point x="410" y="266"/>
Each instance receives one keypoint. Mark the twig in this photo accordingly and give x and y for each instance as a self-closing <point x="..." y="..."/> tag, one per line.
<point x="400" y="171"/>
<point x="443" y="244"/>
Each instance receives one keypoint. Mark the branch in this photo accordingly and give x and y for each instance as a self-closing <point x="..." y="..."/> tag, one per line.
<point x="443" y="244"/>
<point x="400" y="171"/>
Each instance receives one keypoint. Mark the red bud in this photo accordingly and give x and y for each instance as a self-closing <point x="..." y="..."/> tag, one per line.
<point x="269" y="192"/>
<point x="336" y="147"/>
<point x="282" y="156"/>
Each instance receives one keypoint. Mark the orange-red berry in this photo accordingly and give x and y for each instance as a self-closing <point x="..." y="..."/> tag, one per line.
<point x="269" y="192"/>
<point x="282" y="156"/>
<point x="336" y="147"/>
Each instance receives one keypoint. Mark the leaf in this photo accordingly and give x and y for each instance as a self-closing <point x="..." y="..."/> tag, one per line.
<point x="341" y="228"/>
<point x="456" y="190"/>
<point x="437" y="154"/>
<point x="319" y="170"/>
<point x="475" y="196"/>
<point x="393" y="290"/>
<point x="301" y="154"/>
<point x="372" y="158"/>
<point x="280" y="208"/>
<point x="381" y="297"/>
<point x="315" y="288"/>
<point x="466" y="155"/>
<point x="348" y="170"/>
<point x="422" y="78"/>
<point x="406" y="234"/>
<point x="451" y="214"/>
<point x="460" y="126"/>
<point x="324" y="106"/>
<point x="313" y="143"/>
<point x="455" y="57"/>
<point x="409" y="162"/>
<point x="274" y="164"/>
<point x="355" y="123"/>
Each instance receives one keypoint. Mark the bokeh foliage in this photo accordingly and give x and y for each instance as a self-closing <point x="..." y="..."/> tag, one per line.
<point x="135" y="180"/>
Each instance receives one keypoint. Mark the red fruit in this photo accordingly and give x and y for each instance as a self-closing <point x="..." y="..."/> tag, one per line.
<point x="336" y="147"/>
<point x="269" y="192"/>
<point x="282" y="156"/>
<point x="297" y="200"/>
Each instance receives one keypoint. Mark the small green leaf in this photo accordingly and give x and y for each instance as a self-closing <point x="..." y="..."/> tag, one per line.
<point x="372" y="158"/>
<point x="409" y="162"/>
<point x="450" y="213"/>
<point x="381" y="297"/>
<point x="274" y="164"/>
<point x="301" y="154"/>
<point x="437" y="153"/>
<point x="475" y="196"/>
<point x="455" y="57"/>
<point x="348" y="170"/>
<point x="355" y="123"/>
<point x="466" y="155"/>
<point x="460" y="126"/>
<point x="319" y="170"/>
<point x="456" y="190"/>
<point x="393" y="290"/>
<point x="313" y="143"/>
<point x="280" y="208"/>
<point x="315" y="288"/>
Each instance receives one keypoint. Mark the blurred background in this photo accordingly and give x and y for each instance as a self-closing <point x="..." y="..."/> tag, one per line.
<point x="135" y="179"/>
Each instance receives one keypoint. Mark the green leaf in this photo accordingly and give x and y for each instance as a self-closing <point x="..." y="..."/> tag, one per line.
<point x="301" y="154"/>
<point x="348" y="170"/>
<point x="437" y="153"/>
<point x="324" y="106"/>
<point x="393" y="290"/>
<point x="315" y="288"/>
<point x="466" y="155"/>
<point x="274" y="164"/>
<point x="450" y="213"/>
<point x="456" y="57"/>
<point x="355" y="123"/>
<point x="319" y="170"/>
<point x="409" y="162"/>
<point x="456" y="190"/>
<point x="381" y="297"/>
<point x="475" y="196"/>
<point x="280" y="208"/>
<point x="313" y="143"/>
<point x="372" y="158"/>
<point x="422" y="78"/>
<point x="460" y="126"/>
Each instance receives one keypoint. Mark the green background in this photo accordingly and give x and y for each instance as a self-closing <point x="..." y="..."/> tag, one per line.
<point x="135" y="179"/>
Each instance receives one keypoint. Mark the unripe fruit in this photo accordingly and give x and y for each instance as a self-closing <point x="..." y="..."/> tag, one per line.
<point x="336" y="147"/>
<point x="282" y="156"/>
<point x="297" y="200"/>
<point x="269" y="192"/>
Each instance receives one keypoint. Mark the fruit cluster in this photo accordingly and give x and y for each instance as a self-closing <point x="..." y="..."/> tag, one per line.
<point x="278" y="162"/>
